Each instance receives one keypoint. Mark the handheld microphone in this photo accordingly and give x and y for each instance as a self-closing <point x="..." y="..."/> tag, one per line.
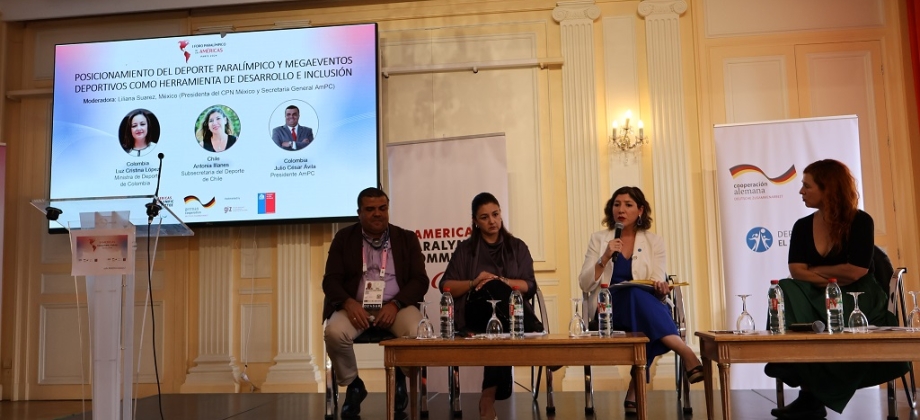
<point x="816" y="326"/>
<point x="618" y="230"/>
<point x="153" y="209"/>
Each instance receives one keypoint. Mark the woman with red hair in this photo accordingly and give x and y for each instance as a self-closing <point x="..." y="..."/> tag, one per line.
<point x="834" y="242"/>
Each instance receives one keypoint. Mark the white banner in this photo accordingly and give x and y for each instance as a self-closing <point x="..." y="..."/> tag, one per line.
<point x="432" y="183"/>
<point x="759" y="172"/>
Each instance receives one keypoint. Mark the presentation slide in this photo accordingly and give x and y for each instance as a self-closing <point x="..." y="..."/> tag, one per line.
<point x="256" y="126"/>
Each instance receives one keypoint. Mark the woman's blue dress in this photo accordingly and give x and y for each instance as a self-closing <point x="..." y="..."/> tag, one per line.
<point x="636" y="309"/>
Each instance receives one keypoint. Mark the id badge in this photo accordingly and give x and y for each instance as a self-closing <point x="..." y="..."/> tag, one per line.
<point x="373" y="294"/>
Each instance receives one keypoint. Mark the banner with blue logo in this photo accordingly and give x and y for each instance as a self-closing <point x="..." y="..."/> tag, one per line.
<point x="759" y="172"/>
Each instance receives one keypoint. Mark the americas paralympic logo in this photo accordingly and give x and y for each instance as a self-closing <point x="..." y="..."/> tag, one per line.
<point x="182" y="44"/>
<point x="759" y="239"/>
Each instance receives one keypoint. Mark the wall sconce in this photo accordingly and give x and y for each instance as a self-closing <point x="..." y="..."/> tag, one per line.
<point x="627" y="138"/>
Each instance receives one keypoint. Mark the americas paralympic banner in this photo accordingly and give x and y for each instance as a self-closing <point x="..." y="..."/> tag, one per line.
<point x="432" y="183"/>
<point x="759" y="172"/>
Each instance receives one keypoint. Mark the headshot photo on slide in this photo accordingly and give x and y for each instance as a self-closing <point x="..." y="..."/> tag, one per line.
<point x="139" y="132"/>
<point x="217" y="128"/>
<point x="293" y="125"/>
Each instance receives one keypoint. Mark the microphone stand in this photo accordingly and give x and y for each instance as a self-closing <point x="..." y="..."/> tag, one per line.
<point x="153" y="208"/>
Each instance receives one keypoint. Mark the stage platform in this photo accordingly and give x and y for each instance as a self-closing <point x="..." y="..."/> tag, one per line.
<point x="747" y="405"/>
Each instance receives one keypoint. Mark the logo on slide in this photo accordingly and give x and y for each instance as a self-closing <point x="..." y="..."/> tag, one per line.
<point x="744" y="168"/>
<point x="209" y="204"/>
<point x="182" y="44"/>
<point x="266" y="203"/>
<point x="759" y="239"/>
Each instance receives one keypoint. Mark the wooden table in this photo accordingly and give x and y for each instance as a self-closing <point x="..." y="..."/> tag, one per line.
<point x="547" y="350"/>
<point x="796" y="347"/>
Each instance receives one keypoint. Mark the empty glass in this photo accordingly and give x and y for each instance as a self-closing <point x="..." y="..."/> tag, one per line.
<point x="577" y="326"/>
<point x="913" y="320"/>
<point x="745" y="322"/>
<point x="494" y="328"/>
<point x="858" y="323"/>
<point x="425" y="330"/>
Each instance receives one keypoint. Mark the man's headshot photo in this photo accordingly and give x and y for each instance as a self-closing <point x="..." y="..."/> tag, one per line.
<point x="292" y="136"/>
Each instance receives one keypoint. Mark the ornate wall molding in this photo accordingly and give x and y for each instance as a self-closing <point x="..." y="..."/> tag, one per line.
<point x="572" y="10"/>
<point x="670" y="159"/>
<point x="667" y="8"/>
<point x="216" y="369"/>
<point x="295" y="369"/>
<point x="576" y="21"/>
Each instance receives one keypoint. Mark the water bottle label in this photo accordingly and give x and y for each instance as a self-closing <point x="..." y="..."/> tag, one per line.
<point x="774" y="304"/>
<point x="832" y="303"/>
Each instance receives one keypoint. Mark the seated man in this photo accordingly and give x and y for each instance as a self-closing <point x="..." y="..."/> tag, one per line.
<point x="368" y="256"/>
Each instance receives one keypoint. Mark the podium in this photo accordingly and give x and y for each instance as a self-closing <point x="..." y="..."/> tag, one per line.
<point x="103" y="233"/>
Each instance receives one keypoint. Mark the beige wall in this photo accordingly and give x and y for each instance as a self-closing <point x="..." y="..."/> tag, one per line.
<point x="36" y="290"/>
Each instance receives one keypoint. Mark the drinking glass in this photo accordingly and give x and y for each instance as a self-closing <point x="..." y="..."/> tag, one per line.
<point x="745" y="322"/>
<point x="913" y="320"/>
<point x="858" y="322"/>
<point x="425" y="330"/>
<point x="577" y="326"/>
<point x="494" y="328"/>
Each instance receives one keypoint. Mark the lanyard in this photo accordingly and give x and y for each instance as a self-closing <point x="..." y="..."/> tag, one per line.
<point x="383" y="261"/>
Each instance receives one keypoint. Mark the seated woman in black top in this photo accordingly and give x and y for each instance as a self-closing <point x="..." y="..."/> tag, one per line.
<point x="836" y="241"/>
<point x="491" y="261"/>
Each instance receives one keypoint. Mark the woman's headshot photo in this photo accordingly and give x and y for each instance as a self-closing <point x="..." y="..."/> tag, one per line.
<point x="139" y="132"/>
<point x="217" y="128"/>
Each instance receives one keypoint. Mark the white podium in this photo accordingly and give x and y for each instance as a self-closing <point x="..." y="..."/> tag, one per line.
<point x="103" y="233"/>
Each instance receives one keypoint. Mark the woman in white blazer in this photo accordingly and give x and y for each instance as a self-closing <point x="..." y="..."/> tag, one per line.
<point x="636" y="255"/>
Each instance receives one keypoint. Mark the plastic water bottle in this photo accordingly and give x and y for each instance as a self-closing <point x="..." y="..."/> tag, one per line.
<point x="834" y="302"/>
<point x="604" y="312"/>
<point x="516" y="310"/>
<point x="777" y="308"/>
<point x="447" y="314"/>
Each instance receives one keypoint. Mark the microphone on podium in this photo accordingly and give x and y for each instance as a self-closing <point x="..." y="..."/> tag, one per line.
<point x="618" y="230"/>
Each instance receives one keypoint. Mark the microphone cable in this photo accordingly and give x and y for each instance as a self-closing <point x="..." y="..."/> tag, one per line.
<point x="153" y="322"/>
